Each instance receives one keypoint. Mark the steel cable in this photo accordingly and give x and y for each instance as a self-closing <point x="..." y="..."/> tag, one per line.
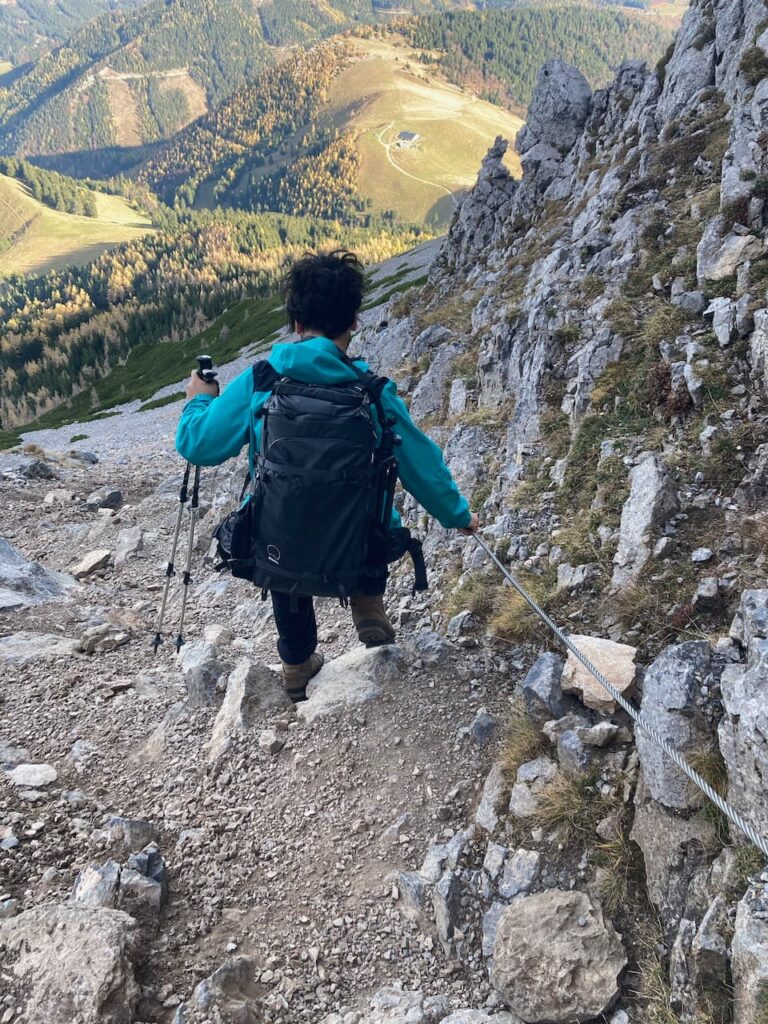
<point x="733" y="815"/>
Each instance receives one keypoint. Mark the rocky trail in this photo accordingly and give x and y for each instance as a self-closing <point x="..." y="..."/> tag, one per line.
<point x="282" y="834"/>
<point x="461" y="828"/>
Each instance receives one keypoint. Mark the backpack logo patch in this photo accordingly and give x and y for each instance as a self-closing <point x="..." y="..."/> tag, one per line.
<point x="273" y="554"/>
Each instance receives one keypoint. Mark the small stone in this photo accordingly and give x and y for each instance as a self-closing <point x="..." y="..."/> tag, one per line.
<point x="35" y="775"/>
<point x="270" y="742"/>
<point x="707" y="597"/>
<point x="520" y="873"/>
<point x="701" y="555"/>
<point x="91" y="563"/>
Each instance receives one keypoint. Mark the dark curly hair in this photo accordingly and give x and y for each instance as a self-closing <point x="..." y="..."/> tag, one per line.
<point x="324" y="292"/>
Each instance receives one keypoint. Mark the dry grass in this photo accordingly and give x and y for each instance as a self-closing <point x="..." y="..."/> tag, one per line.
<point x="708" y="762"/>
<point x="454" y="313"/>
<point x="572" y="806"/>
<point x="522" y="740"/>
<point x="618" y="857"/>
<point x="513" y="619"/>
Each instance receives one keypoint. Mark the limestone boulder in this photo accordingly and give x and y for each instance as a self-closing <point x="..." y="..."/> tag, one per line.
<point x="670" y="690"/>
<point x="252" y="691"/>
<point x="21" y="648"/>
<point x="71" y="963"/>
<point x="675" y="850"/>
<point x="229" y="994"/>
<point x="652" y="501"/>
<point x="615" y="661"/>
<point x="24" y="583"/>
<point x="749" y="957"/>
<point x="743" y="733"/>
<point x="558" y="110"/>
<point x="556" y="958"/>
<point x="351" y="680"/>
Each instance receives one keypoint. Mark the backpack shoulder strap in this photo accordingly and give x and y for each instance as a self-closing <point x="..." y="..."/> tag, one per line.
<point x="374" y="385"/>
<point x="264" y="375"/>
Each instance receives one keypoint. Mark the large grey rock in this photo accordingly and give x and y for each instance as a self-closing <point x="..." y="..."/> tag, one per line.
<point x="24" y="583"/>
<point x="20" y="648"/>
<point x="481" y="217"/>
<point x="749" y="958"/>
<point x="652" y="501"/>
<point x="558" y="110"/>
<point x="129" y="543"/>
<point x="543" y="696"/>
<point x="201" y="668"/>
<point x="431" y="393"/>
<point x="394" y="1005"/>
<point x="446" y="903"/>
<point x="67" y="964"/>
<point x="675" y="849"/>
<point x="670" y="690"/>
<point x="25" y="467"/>
<point x="758" y="349"/>
<point x="349" y="681"/>
<point x="743" y="734"/>
<point x="556" y="959"/>
<point x="491" y="799"/>
<point x="751" y="620"/>
<point x="721" y="252"/>
<point x="252" y="691"/>
<point x="97" y="885"/>
<point x="520" y="873"/>
<point x="230" y="994"/>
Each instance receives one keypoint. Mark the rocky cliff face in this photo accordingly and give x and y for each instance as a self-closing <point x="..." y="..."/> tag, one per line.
<point x="591" y="347"/>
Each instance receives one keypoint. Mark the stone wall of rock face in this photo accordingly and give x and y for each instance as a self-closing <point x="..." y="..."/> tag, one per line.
<point x="519" y="252"/>
<point x="637" y="235"/>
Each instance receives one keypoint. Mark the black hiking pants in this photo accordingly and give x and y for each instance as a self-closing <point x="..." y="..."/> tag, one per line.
<point x="297" y="626"/>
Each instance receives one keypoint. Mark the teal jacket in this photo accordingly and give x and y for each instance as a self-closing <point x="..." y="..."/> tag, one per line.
<point x="212" y="430"/>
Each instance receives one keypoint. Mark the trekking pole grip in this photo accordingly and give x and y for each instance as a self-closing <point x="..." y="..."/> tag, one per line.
<point x="205" y="370"/>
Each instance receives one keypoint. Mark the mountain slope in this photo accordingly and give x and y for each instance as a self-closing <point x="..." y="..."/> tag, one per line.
<point x="369" y="91"/>
<point x="129" y="78"/>
<point x="35" y="239"/>
<point x="28" y="28"/>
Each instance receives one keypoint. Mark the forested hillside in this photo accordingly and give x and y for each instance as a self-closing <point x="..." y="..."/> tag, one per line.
<point x="127" y="78"/>
<point x="281" y="102"/>
<point x="64" y="331"/>
<point x="499" y="52"/>
<point x="28" y="28"/>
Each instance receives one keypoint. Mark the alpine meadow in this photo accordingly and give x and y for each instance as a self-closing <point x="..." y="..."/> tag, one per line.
<point x="383" y="478"/>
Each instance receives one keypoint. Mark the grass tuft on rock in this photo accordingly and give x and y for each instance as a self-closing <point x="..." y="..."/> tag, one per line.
<point x="573" y="806"/>
<point x="522" y="740"/>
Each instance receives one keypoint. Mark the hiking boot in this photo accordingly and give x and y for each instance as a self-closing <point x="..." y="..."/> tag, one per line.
<point x="296" y="677"/>
<point x="371" y="621"/>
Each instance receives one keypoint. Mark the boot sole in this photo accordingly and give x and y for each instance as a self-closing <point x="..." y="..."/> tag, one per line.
<point x="375" y="636"/>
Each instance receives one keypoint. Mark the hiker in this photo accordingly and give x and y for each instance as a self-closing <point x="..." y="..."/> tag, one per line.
<point x="323" y="297"/>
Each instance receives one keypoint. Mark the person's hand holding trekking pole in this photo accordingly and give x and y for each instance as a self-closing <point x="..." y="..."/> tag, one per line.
<point x="474" y="526"/>
<point x="203" y="380"/>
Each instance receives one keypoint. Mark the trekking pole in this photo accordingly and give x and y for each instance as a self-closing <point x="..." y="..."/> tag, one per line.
<point x="170" y="569"/>
<point x="206" y="372"/>
<point x="187" y="576"/>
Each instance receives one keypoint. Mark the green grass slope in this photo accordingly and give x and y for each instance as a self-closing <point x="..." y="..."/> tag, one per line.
<point x="35" y="239"/>
<point x="386" y="92"/>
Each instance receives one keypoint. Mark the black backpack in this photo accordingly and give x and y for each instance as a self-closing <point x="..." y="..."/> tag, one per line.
<point x="316" y="520"/>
